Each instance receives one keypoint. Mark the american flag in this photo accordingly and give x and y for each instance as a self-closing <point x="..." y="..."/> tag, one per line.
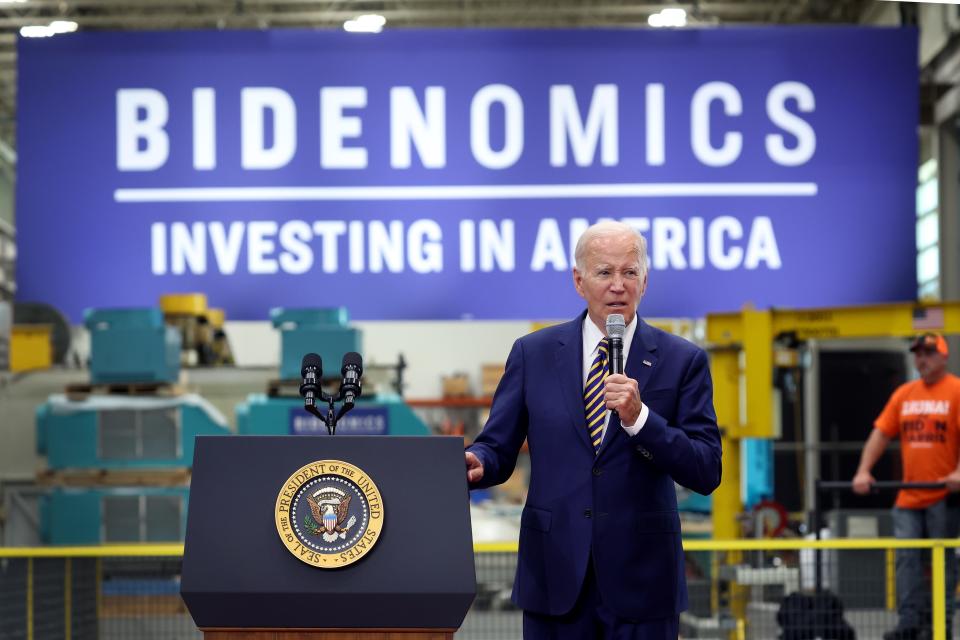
<point x="927" y="318"/>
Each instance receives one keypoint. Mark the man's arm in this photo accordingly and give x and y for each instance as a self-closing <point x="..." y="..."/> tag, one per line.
<point x="872" y="451"/>
<point x="953" y="480"/>
<point x="689" y="448"/>
<point x="493" y="455"/>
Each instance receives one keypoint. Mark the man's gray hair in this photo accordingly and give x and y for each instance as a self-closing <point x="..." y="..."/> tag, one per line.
<point x="611" y="228"/>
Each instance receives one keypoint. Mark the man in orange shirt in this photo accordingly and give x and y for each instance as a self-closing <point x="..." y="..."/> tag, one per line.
<point x="925" y="414"/>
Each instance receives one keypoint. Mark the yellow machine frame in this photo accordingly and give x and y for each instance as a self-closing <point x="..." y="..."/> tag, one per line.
<point x="742" y="358"/>
<point x="742" y="353"/>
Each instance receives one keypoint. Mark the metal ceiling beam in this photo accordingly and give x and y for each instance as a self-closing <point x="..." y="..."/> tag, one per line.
<point x="461" y="5"/>
<point x="422" y="16"/>
<point x="231" y="14"/>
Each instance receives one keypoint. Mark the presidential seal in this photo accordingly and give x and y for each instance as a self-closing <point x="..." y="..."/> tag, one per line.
<point x="329" y="514"/>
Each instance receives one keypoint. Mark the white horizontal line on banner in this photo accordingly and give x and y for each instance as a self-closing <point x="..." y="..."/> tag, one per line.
<point x="470" y="192"/>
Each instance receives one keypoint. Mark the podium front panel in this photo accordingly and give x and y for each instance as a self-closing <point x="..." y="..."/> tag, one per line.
<point x="238" y="573"/>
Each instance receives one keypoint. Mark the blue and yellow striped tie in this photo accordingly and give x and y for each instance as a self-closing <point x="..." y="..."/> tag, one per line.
<point x="593" y="396"/>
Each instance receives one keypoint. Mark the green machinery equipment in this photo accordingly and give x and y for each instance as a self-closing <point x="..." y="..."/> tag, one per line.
<point x="119" y="449"/>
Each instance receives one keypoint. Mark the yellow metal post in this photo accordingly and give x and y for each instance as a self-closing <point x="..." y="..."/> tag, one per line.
<point x="727" y="507"/>
<point x="758" y="374"/>
<point x="891" y="589"/>
<point x="938" y="580"/>
<point x="725" y="370"/>
<point x="726" y="499"/>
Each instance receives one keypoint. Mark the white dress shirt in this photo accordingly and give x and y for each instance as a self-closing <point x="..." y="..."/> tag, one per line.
<point x="591" y="340"/>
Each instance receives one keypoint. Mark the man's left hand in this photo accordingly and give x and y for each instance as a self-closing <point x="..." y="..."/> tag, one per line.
<point x="952" y="481"/>
<point x="623" y="395"/>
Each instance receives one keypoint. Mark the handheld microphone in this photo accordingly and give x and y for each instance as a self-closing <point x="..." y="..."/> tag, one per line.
<point x="311" y="368"/>
<point x="616" y="327"/>
<point x="351" y="371"/>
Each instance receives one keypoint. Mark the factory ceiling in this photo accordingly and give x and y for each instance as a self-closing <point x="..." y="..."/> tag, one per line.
<point x="98" y="15"/>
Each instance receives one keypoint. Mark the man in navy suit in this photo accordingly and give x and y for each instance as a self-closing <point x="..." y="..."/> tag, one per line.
<point x="600" y="552"/>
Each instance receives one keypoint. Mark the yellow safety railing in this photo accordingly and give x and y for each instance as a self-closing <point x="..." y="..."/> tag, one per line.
<point x="99" y="551"/>
<point x="937" y="548"/>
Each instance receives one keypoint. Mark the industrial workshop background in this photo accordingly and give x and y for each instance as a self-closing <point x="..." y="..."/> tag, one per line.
<point x="196" y="193"/>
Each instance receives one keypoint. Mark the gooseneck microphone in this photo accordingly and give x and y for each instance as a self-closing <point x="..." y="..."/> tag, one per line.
<point x="350" y="372"/>
<point x="616" y="327"/>
<point x="311" y="369"/>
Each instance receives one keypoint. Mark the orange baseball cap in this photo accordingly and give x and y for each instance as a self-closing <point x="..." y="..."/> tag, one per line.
<point x="930" y="342"/>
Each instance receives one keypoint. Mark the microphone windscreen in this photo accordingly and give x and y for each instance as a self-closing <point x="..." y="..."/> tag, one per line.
<point x="616" y="327"/>
<point x="353" y="360"/>
<point x="311" y="360"/>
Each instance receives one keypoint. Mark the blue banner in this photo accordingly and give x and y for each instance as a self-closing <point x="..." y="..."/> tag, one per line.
<point x="448" y="174"/>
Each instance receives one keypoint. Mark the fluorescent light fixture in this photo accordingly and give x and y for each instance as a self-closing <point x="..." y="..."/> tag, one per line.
<point x="12" y="1"/>
<point x="46" y="31"/>
<point x="63" y="26"/>
<point x="367" y="23"/>
<point x="36" y="31"/>
<point x="669" y="17"/>
<point x="929" y="1"/>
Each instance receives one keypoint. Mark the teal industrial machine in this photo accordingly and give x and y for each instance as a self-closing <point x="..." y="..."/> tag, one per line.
<point x="122" y="432"/>
<point x="132" y="345"/>
<point x="327" y="333"/>
<point x="118" y="464"/>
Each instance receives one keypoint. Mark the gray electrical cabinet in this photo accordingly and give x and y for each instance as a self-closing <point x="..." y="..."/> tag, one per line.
<point x="859" y="577"/>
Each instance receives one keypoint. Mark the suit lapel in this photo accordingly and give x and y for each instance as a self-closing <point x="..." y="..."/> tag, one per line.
<point x="640" y="363"/>
<point x="643" y="355"/>
<point x="569" y="368"/>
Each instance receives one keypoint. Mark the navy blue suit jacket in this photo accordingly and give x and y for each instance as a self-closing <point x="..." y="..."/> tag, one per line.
<point x="619" y="504"/>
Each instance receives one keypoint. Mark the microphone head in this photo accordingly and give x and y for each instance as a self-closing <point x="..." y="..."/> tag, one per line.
<point x="311" y="361"/>
<point x="352" y="360"/>
<point x="616" y="327"/>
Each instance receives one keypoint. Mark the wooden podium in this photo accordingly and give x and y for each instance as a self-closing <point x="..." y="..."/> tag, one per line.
<point x="242" y="580"/>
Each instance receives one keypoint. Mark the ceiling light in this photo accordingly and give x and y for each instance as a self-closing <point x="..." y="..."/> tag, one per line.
<point x="929" y="1"/>
<point x="63" y="26"/>
<point x="46" y="31"/>
<point x="36" y="31"/>
<point x="367" y="23"/>
<point x="669" y="17"/>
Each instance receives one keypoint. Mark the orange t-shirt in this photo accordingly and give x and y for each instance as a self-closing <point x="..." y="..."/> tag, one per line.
<point x="926" y="419"/>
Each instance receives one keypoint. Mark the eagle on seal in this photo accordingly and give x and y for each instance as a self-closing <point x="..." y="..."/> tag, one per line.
<point x="331" y="520"/>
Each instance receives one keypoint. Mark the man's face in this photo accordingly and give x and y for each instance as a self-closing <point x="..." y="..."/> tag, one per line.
<point x="612" y="280"/>
<point x="930" y="363"/>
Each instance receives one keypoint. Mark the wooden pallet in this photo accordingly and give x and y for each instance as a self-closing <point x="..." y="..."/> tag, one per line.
<point x="283" y="388"/>
<point x="178" y="477"/>
<point x="290" y="388"/>
<point x="83" y="390"/>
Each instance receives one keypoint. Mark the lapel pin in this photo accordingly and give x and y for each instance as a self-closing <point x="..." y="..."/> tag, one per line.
<point x="648" y="363"/>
